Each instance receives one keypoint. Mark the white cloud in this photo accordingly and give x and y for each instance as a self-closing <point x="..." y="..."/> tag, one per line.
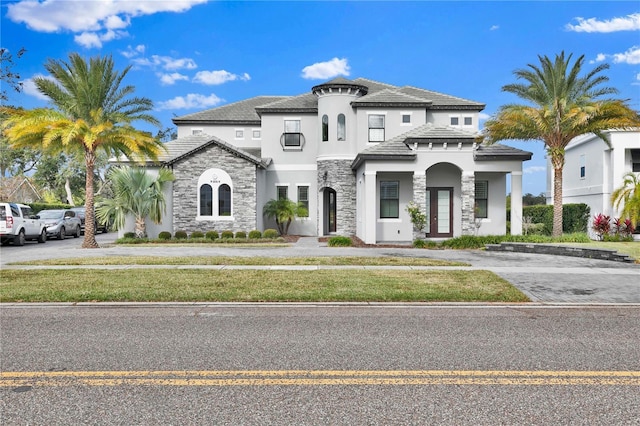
<point x="534" y="169"/>
<point x="483" y="116"/>
<point x="89" y="39"/>
<point x="325" y="70"/>
<point x="213" y="78"/>
<point x="166" y="62"/>
<point x="29" y="87"/>
<point x="637" y="82"/>
<point x="169" y="79"/>
<point x="494" y="27"/>
<point x="631" y="57"/>
<point x="85" y="17"/>
<point x="593" y="25"/>
<point x="132" y="52"/>
<point x="191" y="101"/>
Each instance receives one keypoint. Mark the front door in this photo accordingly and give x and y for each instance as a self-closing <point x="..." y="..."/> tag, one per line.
<point x="439" y="212"/>
<point x="329" y="211"/>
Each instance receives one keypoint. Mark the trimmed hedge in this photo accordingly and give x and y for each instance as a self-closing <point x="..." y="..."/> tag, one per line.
<point x="575" y="217"/>
<point x="196" y="234"/>
<point x="226" y="234"/>
<point x="241" y="235"/>
<point x="255" y="234"/>
<point x="270" y="234"/>
<point x="180" y="235"/>
<point x="212" y="235"/>
<point x="37" y="207"/>
<point x="164" y="235"/>
<point x="340" y="241"/>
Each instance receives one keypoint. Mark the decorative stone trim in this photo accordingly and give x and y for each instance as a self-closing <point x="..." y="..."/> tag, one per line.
<point x="341" y="179"/>
<point x="420" y="198"/>
<point x="468" y="186"/>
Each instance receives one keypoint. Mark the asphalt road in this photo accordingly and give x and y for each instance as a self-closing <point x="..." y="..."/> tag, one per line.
<point x="318" y="365"/>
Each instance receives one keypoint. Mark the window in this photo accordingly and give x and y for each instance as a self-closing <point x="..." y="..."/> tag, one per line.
<point x="196" y="131"/>
<point x="455" y="121"/>
<point x="291" y="132"/>
<point x="283" y="192"/>
<point x="376" y="128"/>
<point x="256" y="134"/>
<point x="239" y="134"/>
<point x="389" y="199"/>
<point x="342" y="127"/>
<point x="224" y="200"/>
<point x="206" y="200"/>
<point x="406" y="118"/>
<point x="468" y="121"/>
<point x="303" y="198"/>
<point x="635" y="160"/>
<point x="325" y="128"/>
<point x="583" y="167"/>
<point x="481" y="199"/>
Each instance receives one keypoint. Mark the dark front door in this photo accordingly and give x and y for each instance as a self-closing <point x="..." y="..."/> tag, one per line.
<point x="329" y="211"/>
<point x="439" y="212"/>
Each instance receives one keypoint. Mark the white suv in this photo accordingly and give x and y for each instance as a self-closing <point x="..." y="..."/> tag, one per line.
<point x="18" y="224"/>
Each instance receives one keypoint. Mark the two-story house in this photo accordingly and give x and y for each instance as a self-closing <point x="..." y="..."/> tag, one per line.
<point x="356" y="152"/>
<point x="594" y="169"/>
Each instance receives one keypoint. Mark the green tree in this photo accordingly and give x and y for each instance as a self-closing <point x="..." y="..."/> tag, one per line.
<point x="284" y="211"/>
<point x="94" y="112"/>
<point x="565" y="104"/>
<point x="7" y="75"/>
<point x="629" y="196"/>
<point x="135" y="192"/>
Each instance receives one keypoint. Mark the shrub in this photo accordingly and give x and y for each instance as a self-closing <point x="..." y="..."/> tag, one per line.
<point x="226" y="234"/>
<point x="255" y="234"/>
<point x="196" y="234"/>
<point x="270" y="234"/>
<point x="340" y="241"/>
<point x="212" y="235"/>
<point x="241" y="235"/>
<point x="180" y="235"/>
<point x="418" y="243"/>
<point x="601" y="225"/>
<point x="575" y="217"/>
<point x="164" y="235"/>
<point x="129" y="235"/>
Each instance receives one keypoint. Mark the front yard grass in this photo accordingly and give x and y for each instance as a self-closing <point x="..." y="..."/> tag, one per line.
<point x="198" y="285"/>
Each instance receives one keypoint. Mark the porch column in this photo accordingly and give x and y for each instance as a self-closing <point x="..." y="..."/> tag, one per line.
<point x="370" y="211"/>
<point x="516" y="203"/>
<point x="468" y="185"/>
<point x="420" y="198"/>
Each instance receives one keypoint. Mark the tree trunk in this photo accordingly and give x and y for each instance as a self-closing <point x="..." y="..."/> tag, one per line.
<point x="557" y="199"/>
<point x="90" y="215"/>
<point x="141" y="228"/>
<point x="67" y="189"/>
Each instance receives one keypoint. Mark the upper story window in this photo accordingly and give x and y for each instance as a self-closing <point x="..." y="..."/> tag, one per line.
<point x="482" y="199"/>
<point x="455" y="121"/>
<point x="325" y="128"/>
<point x="239" y="134"/>
<point x="635" y="160"/>
<point x="342" y="127"/>
<point x="406" y="118"/>
<point x="256" y="134"/>
<point x="292" y="137"/>
<point x="196" y="131"/>
<point x="376" y="128"/>
<point x="389" y="199"/>
<point x="583" y="167"/>
<point x="468" y="121"/>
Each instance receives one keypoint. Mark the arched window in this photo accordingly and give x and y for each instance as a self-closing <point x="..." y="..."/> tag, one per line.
<point x="224" y="200"/>
<point x="325" y="128"/>
<point x="342" y="127"/>
<point x="206" y="200"/>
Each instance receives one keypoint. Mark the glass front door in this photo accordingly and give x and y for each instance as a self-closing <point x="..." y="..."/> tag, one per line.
<point x="329" y="211"/>
<point x="439" y="210"/>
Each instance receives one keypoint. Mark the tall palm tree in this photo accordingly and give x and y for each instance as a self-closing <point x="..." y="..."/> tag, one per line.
<point x="629" y="196"/>
<point x="564" y="105"/>
<point x="135" y="192"/>
<point x="93" y="111"/>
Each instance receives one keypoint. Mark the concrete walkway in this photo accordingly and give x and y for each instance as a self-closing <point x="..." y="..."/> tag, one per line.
<point x="544" y="278"/>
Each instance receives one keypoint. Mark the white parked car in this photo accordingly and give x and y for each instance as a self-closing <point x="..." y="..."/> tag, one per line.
<point x="18" y="224"/>
<point x="60" y="223"/>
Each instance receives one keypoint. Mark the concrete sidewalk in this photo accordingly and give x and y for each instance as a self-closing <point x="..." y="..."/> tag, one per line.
<point x="544" y="278"/>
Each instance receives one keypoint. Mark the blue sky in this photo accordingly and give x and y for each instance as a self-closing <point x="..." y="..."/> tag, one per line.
<point x="189" y="55"/>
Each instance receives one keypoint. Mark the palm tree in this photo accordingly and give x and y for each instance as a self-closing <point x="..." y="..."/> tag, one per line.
<point x="283" y="211"/>
<point x="565" y="105"/>
<point x="137" y="193"/>
<point x="628" y="195"/>
<point x="93" y="113"/>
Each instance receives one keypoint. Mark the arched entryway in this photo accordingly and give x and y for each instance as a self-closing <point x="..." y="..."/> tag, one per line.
<point x="330" y="218"/>
<point x="442" y="188"/>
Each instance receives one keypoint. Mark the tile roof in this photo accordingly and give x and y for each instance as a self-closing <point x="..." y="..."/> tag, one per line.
<point x="188" y="145"/>
<point x="307" y="102"/>
<point x="237" y="112"/>
<point x="390" y="97"/>
<point x="500" y="152"/>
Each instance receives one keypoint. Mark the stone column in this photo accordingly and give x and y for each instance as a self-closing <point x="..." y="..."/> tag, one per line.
<point x="420" y="198"/>
<point x="370" y="211"/>
<point x="516" y="203"/>
<point x="468" y="198"/>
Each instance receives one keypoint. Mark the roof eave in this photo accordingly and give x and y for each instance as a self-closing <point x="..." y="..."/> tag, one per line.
<point x="361" y="158"/>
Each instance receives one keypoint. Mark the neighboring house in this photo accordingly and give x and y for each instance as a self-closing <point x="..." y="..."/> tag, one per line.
<point x="18" y="189"/>
<point x="356" y="152"/>
<point x="593" y="169"/>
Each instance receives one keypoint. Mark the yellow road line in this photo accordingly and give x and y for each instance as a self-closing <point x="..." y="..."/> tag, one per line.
<point x="317" y="378"/>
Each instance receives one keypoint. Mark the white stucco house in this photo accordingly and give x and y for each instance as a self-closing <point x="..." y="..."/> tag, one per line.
<point x="356" y="152"/>
<point x="594" y="169"/>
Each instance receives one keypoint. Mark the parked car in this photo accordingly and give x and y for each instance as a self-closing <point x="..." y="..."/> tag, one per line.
<point x="80" y="212"/>
<point x="61" y="222"/>
<point x="18" y="224"/>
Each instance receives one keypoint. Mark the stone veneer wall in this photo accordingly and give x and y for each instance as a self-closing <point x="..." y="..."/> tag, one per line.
<point x="342" y="179"/>
<point x="185" y="191"/>
<point x="420" y="198"/>
<point x="468" y="184"/>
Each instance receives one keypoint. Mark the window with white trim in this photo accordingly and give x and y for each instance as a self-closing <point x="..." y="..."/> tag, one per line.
<point x="482" y="199"/>
<point x="325" y="128"/>
<point x="583" y="167"/>
<point x="256" y="134"/>
<point x="342" y="127"/>
<point x="303" y="198"/>
<point x="406" y="119"/>
<point x="389" y="199"/>
<point x="196" y="131"/>
<point x="239" y="133"/>
<point x="292" y="133"/>
<point x="215" y="184"/>
<point x="283" y="192"/>
<point x="376" y="128"/>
